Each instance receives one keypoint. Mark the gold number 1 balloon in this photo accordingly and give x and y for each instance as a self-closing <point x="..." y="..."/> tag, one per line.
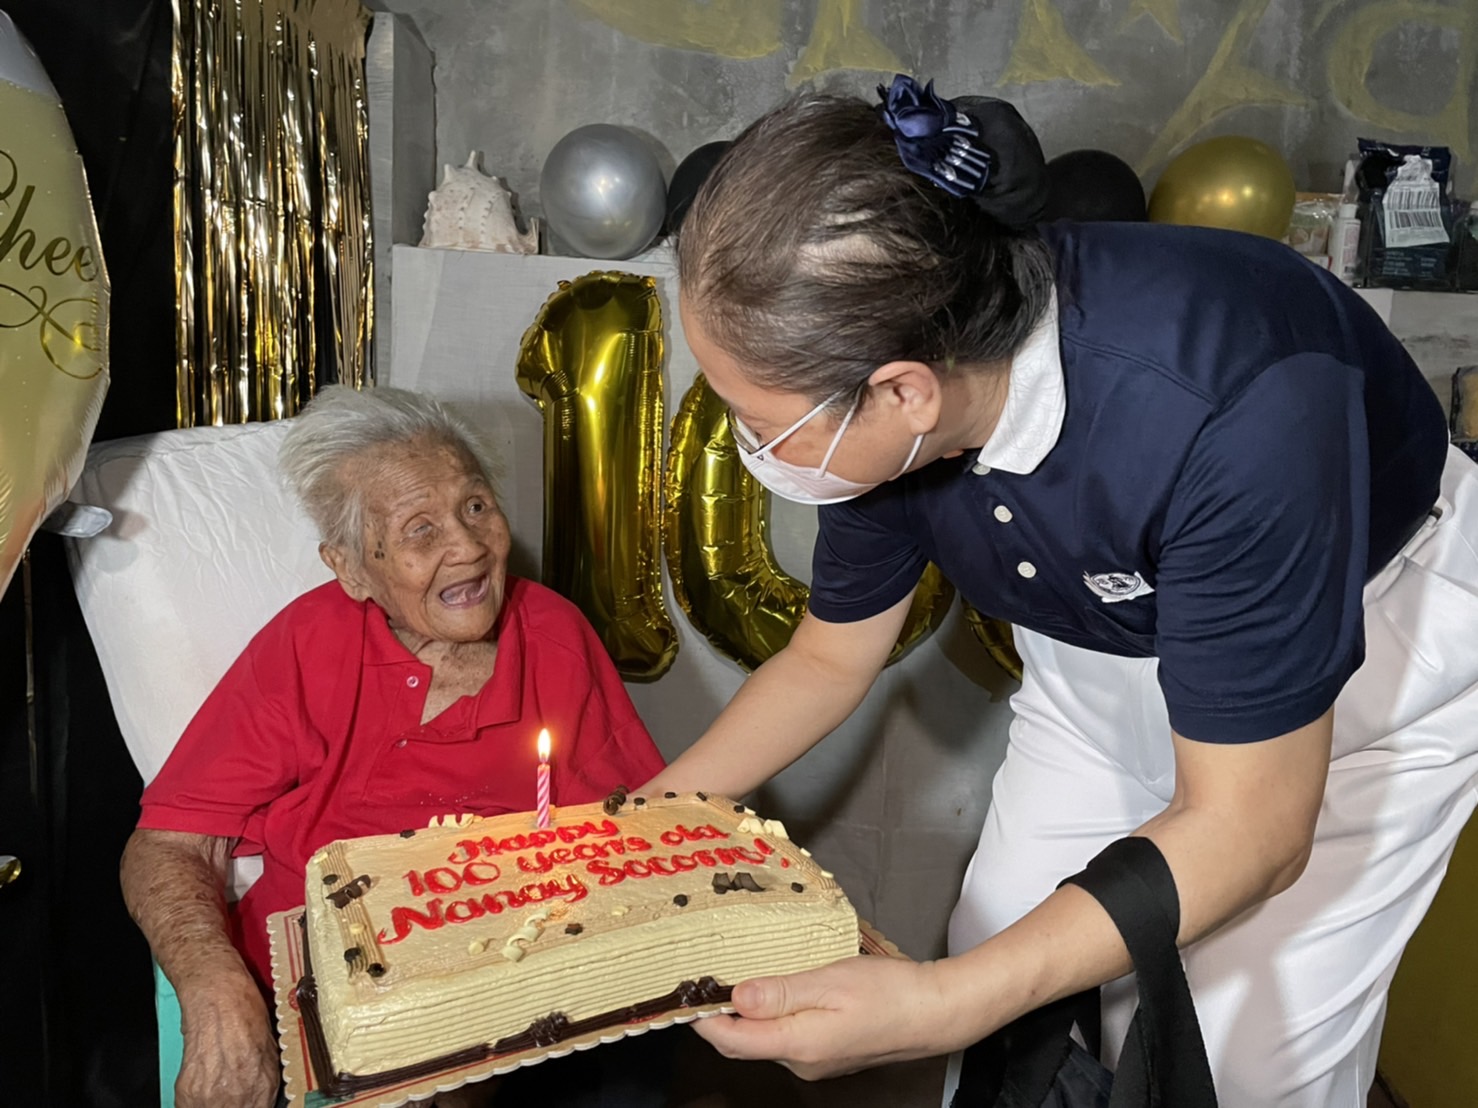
<point x="592" y="362"/>
<point x="53" y="306"/>
<point x="719" y="557"/>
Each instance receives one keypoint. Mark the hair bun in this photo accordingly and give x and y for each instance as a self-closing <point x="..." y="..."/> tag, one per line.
<point x="1016" y="193"/>
<point x="974" y="147"/>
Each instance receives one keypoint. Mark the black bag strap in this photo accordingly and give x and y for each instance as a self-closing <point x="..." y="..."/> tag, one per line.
<point x="1163" y="1063"/>
<point x="1164" y="1058"/>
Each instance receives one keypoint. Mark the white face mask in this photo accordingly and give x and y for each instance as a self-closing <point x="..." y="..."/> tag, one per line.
<point x="804" y="484"/>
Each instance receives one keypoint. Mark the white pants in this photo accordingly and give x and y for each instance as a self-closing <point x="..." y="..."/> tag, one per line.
<point x="1291" y="995"/>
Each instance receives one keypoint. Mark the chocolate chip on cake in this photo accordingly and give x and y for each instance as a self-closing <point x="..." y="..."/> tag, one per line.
<point x="407" y="834"/>
<point x="352" y="953"/>
<point x="797" y="887"/>
<point x="574" y="928"/>
<point x="739" y="807"/>
<point x="670" y="796"/>
<point x="746" y="881"/>
<point x="330" y="878"/>
<point x="680" y="900"/>
<point x="702" y="796"/>
<point x="639" y="801"/>
<point x="722" y="883"/>
<point x="376" y="970"/>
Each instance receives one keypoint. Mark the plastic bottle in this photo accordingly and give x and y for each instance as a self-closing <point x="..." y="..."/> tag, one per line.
<point x="1344" y="244"/>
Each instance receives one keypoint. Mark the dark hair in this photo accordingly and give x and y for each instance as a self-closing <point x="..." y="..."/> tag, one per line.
<point x="813" y="257"/>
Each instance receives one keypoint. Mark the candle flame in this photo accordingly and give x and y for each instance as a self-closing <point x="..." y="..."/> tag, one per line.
<point x="544" y="745"/>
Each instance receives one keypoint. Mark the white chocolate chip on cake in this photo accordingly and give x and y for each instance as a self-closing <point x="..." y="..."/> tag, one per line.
<point x="775" y="829"/>
<point x="750" y="826"/>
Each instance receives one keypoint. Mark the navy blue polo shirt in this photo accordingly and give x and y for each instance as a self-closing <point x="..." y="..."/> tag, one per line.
<point x="1205" y="455"/>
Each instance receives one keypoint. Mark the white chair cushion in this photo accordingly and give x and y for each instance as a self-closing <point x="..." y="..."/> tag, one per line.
<point x="206" y="545"/>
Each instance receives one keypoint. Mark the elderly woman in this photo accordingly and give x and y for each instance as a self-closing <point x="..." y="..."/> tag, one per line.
<point x="408" y="687"/>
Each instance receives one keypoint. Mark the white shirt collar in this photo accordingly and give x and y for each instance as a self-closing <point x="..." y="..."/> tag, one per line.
<point x="1036" y="403"/>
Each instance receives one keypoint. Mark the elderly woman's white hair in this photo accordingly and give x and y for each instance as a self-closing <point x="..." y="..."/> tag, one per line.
<point x="341" y="424"/>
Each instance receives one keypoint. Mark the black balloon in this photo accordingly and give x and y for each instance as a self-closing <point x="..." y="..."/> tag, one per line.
<point x="1093" y="186"/>
<point x="689" y="178"/>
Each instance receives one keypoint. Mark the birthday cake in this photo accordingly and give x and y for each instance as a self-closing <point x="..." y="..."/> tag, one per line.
<point x="479" y="937"/>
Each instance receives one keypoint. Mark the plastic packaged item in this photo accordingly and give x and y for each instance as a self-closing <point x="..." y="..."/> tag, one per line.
<point x="1344" y="244"/>
<point x="1467" y="251"/>
<point x="1408" y="216"/>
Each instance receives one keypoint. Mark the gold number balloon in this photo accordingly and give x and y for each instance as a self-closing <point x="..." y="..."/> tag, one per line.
<point x="592" y="362"/>
<point x="719" y="557"/>
<point x="53" y="304"/>
<point x="995" y="635"/>
<point x="1232" y="182"/>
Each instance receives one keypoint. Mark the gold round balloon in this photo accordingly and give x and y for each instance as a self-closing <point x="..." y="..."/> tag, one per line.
<point x="53" y="312"/>
<point x="719" y="557"/>
<point x="995" y="635"/>
<point x="1232" y="182"/>
<point x="592" y="362"/>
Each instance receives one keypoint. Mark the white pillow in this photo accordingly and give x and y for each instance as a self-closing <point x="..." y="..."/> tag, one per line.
<point x="206" y="545"/>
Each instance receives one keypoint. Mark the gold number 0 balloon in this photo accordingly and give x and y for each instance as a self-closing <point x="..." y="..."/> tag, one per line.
<point x="719" y="557"/>
<point x="592" y="362"/>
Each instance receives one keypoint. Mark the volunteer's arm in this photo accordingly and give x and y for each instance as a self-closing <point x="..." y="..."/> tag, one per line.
<point x="787" y="705"/>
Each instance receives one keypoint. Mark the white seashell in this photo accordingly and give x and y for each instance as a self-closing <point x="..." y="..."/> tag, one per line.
<point x="472" y="211"/>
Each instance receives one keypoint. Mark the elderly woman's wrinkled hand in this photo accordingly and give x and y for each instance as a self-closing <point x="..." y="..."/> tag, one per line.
<point x="231" y="1056"/>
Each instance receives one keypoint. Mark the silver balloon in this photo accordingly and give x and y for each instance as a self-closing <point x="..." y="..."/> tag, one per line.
<point x="602" y="192"/>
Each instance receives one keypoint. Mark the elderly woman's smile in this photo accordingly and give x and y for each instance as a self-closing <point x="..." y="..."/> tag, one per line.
<point x="435" y="545"/>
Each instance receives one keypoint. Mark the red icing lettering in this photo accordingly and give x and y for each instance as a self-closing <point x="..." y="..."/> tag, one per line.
<point x="763" y="847"/>
<point x="674" y="864"/>
<point x="733" y="855"/>
<point x="465" y="852"/>
<point x="489" y="847"/>
<point x="401" y="920"/>
<point x="679" y="835"/>
<point x="469" y="909"/>
<point x="609" y="875"/>
<point x="636" y="844"/>
<point x="413" y="879"/>
<point x="443" y="880"/>
<point x="571" y="889"/>
<point x="606" y="830"/>
<point x="473" y="876"/>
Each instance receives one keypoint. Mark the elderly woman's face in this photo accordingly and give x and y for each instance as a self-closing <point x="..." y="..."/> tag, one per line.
<point x="435" y="545"/>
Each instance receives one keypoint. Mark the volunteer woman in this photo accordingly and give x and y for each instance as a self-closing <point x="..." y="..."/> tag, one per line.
<point x="1203" y="481"/>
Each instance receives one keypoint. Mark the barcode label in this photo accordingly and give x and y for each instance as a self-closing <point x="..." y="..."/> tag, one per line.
<point x="1413" y="214"/>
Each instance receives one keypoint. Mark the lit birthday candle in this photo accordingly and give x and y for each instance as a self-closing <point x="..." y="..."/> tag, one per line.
<point x="542" y="790"/>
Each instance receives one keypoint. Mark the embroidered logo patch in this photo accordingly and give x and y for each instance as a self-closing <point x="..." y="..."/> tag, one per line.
<point x="1112" y="588"/>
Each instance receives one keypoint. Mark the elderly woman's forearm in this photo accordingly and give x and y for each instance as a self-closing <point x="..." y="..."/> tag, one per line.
<point x="174" y="885"/>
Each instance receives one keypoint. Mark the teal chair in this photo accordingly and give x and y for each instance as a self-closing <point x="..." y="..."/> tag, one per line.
<point x="206" y="546"/>
<point x="171" y="1042"/>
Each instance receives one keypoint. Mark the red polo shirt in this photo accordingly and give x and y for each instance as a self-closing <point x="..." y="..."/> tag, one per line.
<point x="315" y="734"/>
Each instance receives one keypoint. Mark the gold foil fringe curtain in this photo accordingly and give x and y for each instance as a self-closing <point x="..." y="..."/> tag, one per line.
<point x="271" y="205"/>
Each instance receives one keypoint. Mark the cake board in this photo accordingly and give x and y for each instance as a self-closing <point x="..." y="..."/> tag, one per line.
<point x="285" y="933"/>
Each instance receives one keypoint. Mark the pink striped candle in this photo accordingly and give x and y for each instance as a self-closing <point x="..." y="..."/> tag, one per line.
<point x="542" y="790"/>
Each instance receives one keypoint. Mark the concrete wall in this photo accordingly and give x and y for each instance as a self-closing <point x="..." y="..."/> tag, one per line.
<point x="1139" y="78"/>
